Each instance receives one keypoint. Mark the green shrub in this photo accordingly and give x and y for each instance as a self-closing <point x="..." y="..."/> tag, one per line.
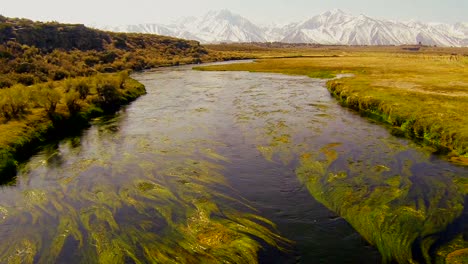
<point x="26" y="79"/>
<point x="72" y="100"/>
<point x="59" y="75"/>
<point x="5" y="82"/>
<point x="108" y="94"/>
<point x="14" y="101"/>
<point x="7" y="163"/>
<point x="48" y="97"/>
<point x="83" y="88"/>
<point x="123" y="76"/>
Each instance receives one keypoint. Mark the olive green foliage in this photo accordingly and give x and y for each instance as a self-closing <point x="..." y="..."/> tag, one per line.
<point x="14" y="102"/>
<point x="7" y="163"/>
<point x="73" y="102"/>
<point x="27" y="114"/>
<point x="83" y="89"/>
<point x="47" y="97"/>
<point x="34" y="52"/>
<point x="104" y="90"/>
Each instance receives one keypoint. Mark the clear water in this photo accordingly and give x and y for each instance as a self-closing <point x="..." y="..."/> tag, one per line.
<point x="204" y="168"/>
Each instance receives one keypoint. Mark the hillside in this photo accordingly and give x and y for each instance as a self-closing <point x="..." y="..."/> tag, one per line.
<point x="55" y="77"/>
<point x="33" y="52"/>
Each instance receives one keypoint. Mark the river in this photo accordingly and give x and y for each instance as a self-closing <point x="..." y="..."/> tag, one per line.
<point x="236" y="167"/>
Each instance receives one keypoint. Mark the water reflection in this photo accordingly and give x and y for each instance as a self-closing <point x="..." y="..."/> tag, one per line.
<point x="205" y="168"/>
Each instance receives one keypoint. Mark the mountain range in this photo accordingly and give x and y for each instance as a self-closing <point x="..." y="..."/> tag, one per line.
<point x="333" y="27"/>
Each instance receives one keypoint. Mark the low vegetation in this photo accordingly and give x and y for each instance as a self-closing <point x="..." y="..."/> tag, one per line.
<point x="35" y="52"/>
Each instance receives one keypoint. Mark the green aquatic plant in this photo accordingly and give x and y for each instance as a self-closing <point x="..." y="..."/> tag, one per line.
<point x="454" y="252"/>
<point x="135" y="210"/>
<point x="398" y="217"/>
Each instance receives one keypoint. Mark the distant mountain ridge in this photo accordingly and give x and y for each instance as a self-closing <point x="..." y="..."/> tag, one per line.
<point x="332" y="27"/>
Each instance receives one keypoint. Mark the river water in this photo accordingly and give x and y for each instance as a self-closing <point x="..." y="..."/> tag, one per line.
<point x="230" y="166"/>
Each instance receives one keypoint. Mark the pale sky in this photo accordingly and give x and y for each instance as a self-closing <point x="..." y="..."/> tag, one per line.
<point x="120" y="12"/>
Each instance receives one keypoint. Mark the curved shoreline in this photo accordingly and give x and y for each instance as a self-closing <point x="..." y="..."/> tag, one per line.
<point x="402" y="126"/>
<point x="428" y="117"/>
<point x="38" y="131"/>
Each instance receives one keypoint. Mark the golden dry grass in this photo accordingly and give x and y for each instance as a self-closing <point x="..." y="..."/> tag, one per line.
<point x="422" y="94"/>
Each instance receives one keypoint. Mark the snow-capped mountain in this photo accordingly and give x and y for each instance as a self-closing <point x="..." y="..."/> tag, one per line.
<point x="219" y="26"/>
<point x="143" y="28"/>
<point x="214" y="27"/>
<point x="337" y="27"/>
<point x="331" y="27"/>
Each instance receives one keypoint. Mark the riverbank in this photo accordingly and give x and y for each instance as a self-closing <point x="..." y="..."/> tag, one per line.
<point x="422" y="96"/>
<point x="21" y="136"/>
<point x="408" y="214"/>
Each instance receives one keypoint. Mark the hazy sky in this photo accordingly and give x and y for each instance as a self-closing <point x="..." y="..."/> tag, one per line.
<point x="115" y="12"/>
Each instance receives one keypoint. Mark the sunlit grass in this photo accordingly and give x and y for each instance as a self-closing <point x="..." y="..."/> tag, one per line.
<point x="424" y="96"/>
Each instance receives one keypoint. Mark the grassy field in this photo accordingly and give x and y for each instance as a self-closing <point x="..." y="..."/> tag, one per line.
<point x="422" y="94"/>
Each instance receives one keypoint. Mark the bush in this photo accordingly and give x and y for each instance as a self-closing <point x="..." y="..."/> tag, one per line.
<point x="60" y="75"/>
<point x="14" y="101"/>
<point x="7" y="163"/>
<point x="48" y="97"/>
<point x="72" y="100"/>
<point x="5" y="82"/>
<point x="108" y="94"/>
<point x="25" y="67"/>
<point x="123" y="76"/>
<point x="83" y="89"/>
<point x="26" y="79"/>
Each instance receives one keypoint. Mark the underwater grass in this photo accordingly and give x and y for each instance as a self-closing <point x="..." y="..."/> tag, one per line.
<point x="403" y="220"/>
<point x="118" y="208"/>
<point x="423" y="96"/>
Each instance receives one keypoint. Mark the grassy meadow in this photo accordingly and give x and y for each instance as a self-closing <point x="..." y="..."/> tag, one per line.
<point x="422" y="94"/>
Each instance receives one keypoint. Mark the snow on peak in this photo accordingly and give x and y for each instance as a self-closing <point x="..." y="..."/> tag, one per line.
<point x="334" y="11"/>
<point x="331" y="27"/>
